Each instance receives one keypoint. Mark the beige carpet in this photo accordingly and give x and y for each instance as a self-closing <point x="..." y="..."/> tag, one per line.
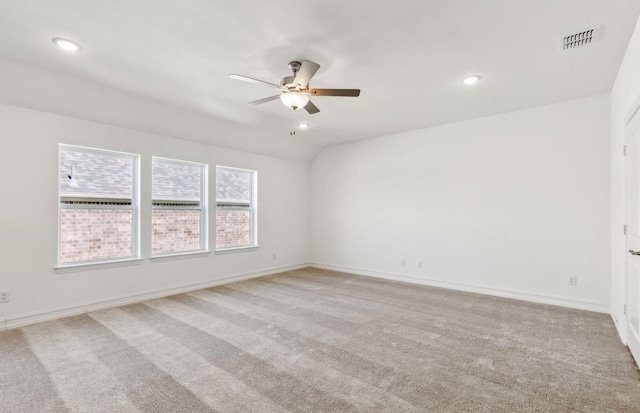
<point x="320" y="341"/>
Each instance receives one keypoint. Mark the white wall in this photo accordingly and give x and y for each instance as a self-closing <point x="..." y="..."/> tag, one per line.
<point x="626" y="90"/>
<point x="31" y="87"/>
<point x="28" y="218"/>
<point x="509" y="205"/>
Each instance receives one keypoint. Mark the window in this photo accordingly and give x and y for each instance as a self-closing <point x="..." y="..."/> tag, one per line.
<point x="235" y="208"/>
<point x="179" y="213"/>
<point x="98" y="205"/>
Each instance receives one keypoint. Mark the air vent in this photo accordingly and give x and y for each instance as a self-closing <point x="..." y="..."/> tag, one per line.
<point x="580" y="39"/>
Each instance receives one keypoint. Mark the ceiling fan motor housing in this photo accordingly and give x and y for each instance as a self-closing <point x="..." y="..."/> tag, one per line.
<point x="287" y="81"/>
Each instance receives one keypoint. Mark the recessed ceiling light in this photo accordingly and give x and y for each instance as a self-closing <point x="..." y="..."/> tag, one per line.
<point x="470" y="80"/>
<point x="67" y="45"/>
<point x="303" y="125"/>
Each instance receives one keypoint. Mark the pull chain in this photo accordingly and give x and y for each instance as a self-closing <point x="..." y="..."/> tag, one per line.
<point x="293" y="123"/>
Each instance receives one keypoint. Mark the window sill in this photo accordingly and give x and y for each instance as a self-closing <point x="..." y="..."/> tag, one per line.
<point x="236" y="249"/>
<point x="63" y="269"/>
<point x="179" y="256"/>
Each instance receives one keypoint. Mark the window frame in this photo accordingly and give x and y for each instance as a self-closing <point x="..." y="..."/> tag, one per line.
<point x="101" y="204"/>
<point x="236" y="206"/>
<point x="203" y="208"/>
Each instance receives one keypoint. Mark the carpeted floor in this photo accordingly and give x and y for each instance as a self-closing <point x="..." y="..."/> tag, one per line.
<point x="320" y="341"/>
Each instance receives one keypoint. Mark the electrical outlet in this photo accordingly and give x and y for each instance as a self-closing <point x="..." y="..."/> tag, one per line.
<point x="420" y="264"/>
<point x="573" y="280"/>
<point x="4" y="296"/>
<point x="403" y="263"/>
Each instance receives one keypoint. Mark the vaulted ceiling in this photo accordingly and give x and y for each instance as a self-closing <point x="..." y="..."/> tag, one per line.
<point x="162" y="65"/>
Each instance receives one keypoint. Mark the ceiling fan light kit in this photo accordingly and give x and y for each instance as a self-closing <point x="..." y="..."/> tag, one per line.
<point x="294" y="100"/>
<point x="295" y="89"/>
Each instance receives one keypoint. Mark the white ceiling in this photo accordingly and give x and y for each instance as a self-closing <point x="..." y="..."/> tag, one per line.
<point x="169" y="61"/>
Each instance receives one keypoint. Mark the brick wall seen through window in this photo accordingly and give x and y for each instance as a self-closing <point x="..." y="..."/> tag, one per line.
<point x="178" y="206"/>
<point x="236" y="225"/>
<point x="98" y="205"/>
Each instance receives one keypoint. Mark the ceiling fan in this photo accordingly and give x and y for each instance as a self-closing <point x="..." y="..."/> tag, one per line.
<point x="295" y="89"/>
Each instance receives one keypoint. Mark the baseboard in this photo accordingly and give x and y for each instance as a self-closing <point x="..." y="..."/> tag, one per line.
<point x="38" y="317"/>
<point x="517" y="295"/>
<point x="620" y="328"/>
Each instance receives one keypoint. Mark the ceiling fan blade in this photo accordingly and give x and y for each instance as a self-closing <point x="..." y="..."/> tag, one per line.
<point x="265" y="100"/>
<point x="311" y="108"/>
<point x="252" y="80"/>
<point x="335" y="92"/>
<point x="306" y="72"/>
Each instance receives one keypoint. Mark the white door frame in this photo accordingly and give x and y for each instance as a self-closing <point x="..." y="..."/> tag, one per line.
<point x="632" y="341"/>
